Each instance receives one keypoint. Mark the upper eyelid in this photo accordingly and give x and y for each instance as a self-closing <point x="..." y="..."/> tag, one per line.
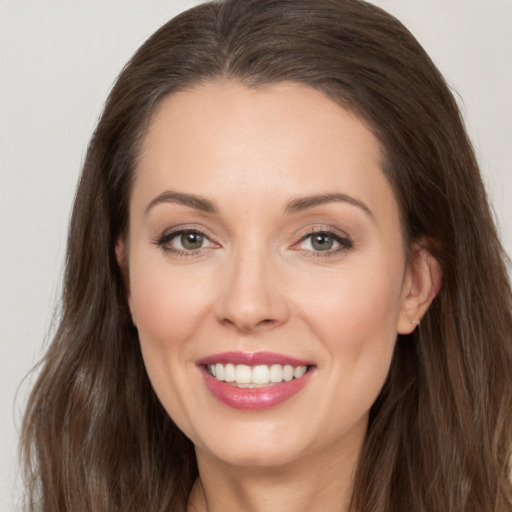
<point x="331" y="231"/>
<point x="176" y="230"/>
<point x="311" y="230"/>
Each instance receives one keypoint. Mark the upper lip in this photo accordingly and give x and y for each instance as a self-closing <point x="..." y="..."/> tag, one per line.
<point x="252" y="359"/>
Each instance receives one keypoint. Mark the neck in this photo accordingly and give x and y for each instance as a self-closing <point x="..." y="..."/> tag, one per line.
<point x="320" y="483"/>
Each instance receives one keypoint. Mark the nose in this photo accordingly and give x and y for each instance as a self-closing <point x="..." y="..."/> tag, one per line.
<point x="253" y="297"/>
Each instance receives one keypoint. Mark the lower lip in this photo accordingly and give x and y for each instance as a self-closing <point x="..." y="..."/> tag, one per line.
<point x="254" y="399"/>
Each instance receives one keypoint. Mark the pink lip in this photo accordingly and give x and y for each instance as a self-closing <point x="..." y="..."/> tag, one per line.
<point x="253" y="399"/>
<point x="252" y="359"/>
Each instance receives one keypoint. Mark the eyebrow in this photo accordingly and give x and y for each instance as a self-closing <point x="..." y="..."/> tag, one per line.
<point x="304" y="203"/>
<point x="192" y="201"/>
<point x="294" y="206"/>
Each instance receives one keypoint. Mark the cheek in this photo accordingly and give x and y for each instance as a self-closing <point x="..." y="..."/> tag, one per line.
<point x="354" y="316"/>
<point x="169" y="308"/>
<point x="357" y="330"/>
<point x="360" y="299"/>
<point x="167" y="304"/>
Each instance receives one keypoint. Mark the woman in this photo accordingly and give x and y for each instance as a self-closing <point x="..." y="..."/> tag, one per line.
<point x="275" y="195"/>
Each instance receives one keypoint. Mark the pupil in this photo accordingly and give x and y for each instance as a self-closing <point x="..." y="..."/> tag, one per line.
<point x="322" y="242"/>
<point x="191" y="240"/>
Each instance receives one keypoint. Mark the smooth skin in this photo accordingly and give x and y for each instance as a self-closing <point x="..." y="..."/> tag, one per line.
<point x="223" y="254"/>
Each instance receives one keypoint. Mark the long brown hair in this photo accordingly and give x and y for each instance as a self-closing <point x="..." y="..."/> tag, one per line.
<point x="95" y="437"/>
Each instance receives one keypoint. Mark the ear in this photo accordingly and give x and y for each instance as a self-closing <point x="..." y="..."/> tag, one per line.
<point x="422" y="283"/>
<point x="121" y="250"/>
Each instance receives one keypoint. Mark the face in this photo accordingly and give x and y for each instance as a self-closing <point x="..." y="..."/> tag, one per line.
<point x="265" y="271"/>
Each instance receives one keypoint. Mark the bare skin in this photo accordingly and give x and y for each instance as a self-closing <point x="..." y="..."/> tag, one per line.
<point x="295" y="487"/>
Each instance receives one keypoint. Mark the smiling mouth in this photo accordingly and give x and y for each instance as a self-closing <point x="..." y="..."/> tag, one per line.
<point x="254" y="381"/>
<point x="262" y="375"/>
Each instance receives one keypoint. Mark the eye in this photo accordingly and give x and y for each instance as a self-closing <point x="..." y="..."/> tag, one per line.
<point x="184" y="241"/>
<point x="324" y="241"/>
<point x="319" y="242"/>
<point x="189" y="240"/>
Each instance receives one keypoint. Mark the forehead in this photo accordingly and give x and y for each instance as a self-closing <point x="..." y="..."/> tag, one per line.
<point x="259" y="143"/>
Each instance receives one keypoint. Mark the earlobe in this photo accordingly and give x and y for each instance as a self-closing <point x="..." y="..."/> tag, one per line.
<point x="421" y="285"/>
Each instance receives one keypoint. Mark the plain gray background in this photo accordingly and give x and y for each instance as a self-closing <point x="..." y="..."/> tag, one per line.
<point x="58" y="61"/>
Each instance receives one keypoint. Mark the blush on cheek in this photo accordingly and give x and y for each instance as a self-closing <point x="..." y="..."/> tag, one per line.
<point x="379" y="299"/>
<point x="167" y="310"/>
<point x="355" y="315"/>
<point x="157" y="323"/>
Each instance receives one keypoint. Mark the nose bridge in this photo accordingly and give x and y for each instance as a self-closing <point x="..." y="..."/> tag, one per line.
<point x="252" y="298"/>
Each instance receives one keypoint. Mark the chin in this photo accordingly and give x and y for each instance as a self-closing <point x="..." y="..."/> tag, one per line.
<point x="251" y="456"/>
<point x="262" y="444"/>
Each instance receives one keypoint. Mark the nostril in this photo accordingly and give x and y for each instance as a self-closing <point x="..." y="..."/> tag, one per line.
<point x="247" y="326"/>
<point x="266" y="322"/>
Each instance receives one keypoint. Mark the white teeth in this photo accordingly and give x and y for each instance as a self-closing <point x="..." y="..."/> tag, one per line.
<point x="299" y="371"/>
<point x="229" y="372"/>
<point x="252" y="376"/>
<point x="260" y="374"/>
<point x="276" y="373"/>
<point x="243" y="374"/>
<point x="288" y="373"/>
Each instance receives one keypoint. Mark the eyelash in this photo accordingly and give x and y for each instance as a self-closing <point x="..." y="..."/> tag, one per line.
<point x="164" y="241"/>
<point x="345" y="243"/>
